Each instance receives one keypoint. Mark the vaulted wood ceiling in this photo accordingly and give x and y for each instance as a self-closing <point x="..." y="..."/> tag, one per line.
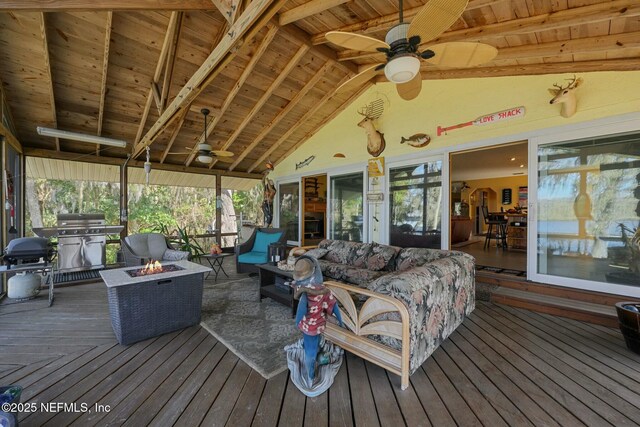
<point x="141" y="70"/>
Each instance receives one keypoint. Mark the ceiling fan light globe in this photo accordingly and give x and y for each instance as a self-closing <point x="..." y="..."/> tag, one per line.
<point x="204" y="158"/>
<point x="402" y="69"/>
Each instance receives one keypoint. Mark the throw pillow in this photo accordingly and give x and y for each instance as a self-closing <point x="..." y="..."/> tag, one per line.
<point x="263" y="240"/>
<point x="381" y="257"/>
<point x="317" y="253"/>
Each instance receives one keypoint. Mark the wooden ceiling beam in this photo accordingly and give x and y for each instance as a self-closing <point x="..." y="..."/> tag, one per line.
<point x="228" y="9"/>
<point x="117" y="161"/>
<point x="608" y="43"/>
<point x="282" y="75"/>
<point x="105" y="5"/>
<point x="565" y="18"/>
<point x="320" y="125"/>
<point x="308" y="9"/>
<point x="297" y="35"/>
<point x="283" y="113"/>
<point x="385" y="22"/>
<point x="262" y="48"/>
<point x="156" y="75"/>
<point x="304" y="120"/>
<point x="170" y="62"/>
<point x="627" y="64"/>
<point x="47" y="65"/>
<point x="252" y="20"/>
<point x="105" y="66"/>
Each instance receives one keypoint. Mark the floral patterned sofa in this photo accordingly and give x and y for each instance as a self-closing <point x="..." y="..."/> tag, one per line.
<point x="399" y="303"/>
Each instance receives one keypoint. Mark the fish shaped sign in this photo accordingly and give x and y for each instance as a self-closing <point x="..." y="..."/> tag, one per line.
<point x="418" y="140"/>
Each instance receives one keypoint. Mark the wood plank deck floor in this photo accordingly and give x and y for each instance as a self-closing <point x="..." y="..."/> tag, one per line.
<point x="503" y="366"/>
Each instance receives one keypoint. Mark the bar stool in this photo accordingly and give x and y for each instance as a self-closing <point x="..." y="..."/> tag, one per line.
<point x="497" y="226"/>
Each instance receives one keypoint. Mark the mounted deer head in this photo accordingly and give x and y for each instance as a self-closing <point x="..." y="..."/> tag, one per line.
<point x="566" y="96"/>
<point x="375" y="139"/>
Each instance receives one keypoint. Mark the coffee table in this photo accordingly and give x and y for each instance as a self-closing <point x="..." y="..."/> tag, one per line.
<point x="215" y="261"/>
<point x="272" y="285"/>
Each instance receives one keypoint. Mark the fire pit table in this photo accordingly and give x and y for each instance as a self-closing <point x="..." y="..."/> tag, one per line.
<point x="145" y="302"/>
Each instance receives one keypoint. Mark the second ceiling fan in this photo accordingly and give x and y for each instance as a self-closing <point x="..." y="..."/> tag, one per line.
<point x="402" y="43"/>
<point x="205" y="154"/>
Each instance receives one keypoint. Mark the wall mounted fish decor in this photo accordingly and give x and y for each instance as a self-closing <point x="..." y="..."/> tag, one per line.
<point x="305" y="162"/>
<point x="418" y="140"/>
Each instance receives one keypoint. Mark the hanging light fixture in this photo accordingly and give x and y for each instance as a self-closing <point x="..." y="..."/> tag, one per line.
<point x="204" y="150"/>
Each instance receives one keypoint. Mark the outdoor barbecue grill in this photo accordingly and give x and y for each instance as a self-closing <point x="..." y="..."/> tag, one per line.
<point x="28" y="250"/>
<point x="81" y="240"/>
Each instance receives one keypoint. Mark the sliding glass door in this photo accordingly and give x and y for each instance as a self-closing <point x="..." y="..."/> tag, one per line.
<point x="289" y="210"/>
<point x="347" y="207"/>
<point x="588" y="212"/>
<point x="415" y="205"/>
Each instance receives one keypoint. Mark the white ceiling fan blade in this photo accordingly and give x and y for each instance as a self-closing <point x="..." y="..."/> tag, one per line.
<point x="359" y="79"/>
<point x="356" y="41"/>
<point x="436" y="17"/>
<point x="411" y="89"/>
<point x="461" y="54"/>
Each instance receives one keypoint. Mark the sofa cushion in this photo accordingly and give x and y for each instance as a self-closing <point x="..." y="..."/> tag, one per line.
<point x="381" y="257"/>
<point x="340" y="251"/>
<point x="347" y="273"/>
<point x="317" y="253"/>
<point x="360" y="254"/>
<point x="253" y="257"/>
<point x="263" y="240"/>
<point x="415" y="257"/>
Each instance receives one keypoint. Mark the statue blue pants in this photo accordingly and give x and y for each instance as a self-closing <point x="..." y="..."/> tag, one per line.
<point x="311" y="344"/>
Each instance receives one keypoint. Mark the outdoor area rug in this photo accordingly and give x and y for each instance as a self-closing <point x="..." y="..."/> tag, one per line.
<point x="254" y="331"/>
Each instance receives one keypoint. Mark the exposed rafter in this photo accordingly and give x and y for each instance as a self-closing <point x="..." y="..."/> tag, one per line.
<point x="47" y="65"/>
<point x="305" y="10"/>
<point x="282" y="75"/>
<point x="626" y="64"/>
<point x="228" y="8"/>
<point x="295" y="34"/>
<point x="170" y="62"/>
<point x="283" y="113"/>
<point x="387" y="21"/>
<point x="304" y="120"/>
<point x="107" y="5"/>
<point x="173" y="20"/>
<point x="533" y="24"/>
<point x="252" y="20"/>
<point x="262" y="48"/>
<point x="105" y="66"/>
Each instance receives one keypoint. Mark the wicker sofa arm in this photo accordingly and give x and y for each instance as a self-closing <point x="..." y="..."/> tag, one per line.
<point x="358" y="325"/>
<point x="130" y="258"/>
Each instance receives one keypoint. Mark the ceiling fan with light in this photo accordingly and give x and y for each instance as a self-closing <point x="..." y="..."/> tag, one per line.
<point x="205" y="154"/>
<point x="402" y="48"/>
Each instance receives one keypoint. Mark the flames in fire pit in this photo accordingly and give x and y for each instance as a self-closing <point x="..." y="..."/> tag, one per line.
<point x="153" y="267"/>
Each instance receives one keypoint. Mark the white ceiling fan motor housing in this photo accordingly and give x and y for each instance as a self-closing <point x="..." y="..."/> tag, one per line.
<point x="403" y="66"/>
<point x="398" y="32"/>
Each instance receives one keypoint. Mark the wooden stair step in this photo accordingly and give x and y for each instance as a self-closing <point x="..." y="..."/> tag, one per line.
<point x="579" y="310"/>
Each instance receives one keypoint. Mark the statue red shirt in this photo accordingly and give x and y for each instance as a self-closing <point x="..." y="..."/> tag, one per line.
<point x="318" y="306"/>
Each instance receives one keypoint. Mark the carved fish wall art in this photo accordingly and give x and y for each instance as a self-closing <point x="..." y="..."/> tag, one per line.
<point x="305" y="162"/>
<point x="418" y="140"/>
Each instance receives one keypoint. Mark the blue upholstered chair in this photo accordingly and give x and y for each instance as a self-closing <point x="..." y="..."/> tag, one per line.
<point x="255" y="250"/>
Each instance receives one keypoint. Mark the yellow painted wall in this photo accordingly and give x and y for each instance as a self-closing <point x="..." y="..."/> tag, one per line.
<point x="449" y="102"/>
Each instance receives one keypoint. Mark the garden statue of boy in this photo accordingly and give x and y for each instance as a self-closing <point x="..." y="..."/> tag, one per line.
<point x="315" y="305"/>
